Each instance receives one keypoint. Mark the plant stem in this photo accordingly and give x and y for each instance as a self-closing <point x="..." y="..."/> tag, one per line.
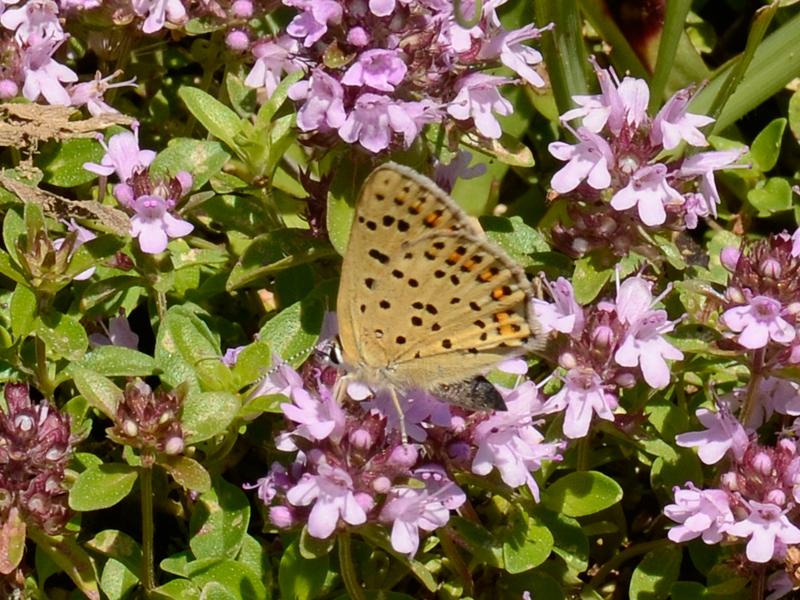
<point x="582" y="459"/>
<point x="146" y="487"/>
<point x="752" y="386"/>
<point x="621" y="557"/>
<point x="347" y="567"/>
<point x="44" y="383"/>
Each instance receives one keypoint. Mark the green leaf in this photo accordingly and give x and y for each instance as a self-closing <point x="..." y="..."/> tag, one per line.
<point x="794" y="114"/>
<point x="99" y="391"/>
<point x="276" y="251"/>
<point x="653" y="577"/>
<point x="184" y="335"/>
<point x="526" y="543"/>
<point x="219" y="521"/>
<point x="301" y="578"/>
<point x="177" y="589"/>
<point x="22" y="311"/>
<point x="771" y="196"/>
<point x="570" y="542"/>
<point x="582" y="493"/>
<point x="10" y="269"/>
<point x="766" y="147"/>
<point x="516" y="238"/>
<point x="187" y="472"/>
<point x="589" y="278"/>
<point x="252" y="363"/>
<point x="12" y="541"/>
<point x="118" y="361"/>
<point x="63" y="167"/>
<point x="203" y="159"/>
<point x="118" y="545"/>
<point x="13" y="230"/>
<point x="276" y="100"/>
<point x="206" y="414"/>
<point x="235" y="579"/>
<point x="218" y="119"/>
<point x="69" y="555"/>
<point x="63" y="335"/>
<point x="292" y="333"/>
<point x="117" y="580"/>
<point x="101" y="486"/>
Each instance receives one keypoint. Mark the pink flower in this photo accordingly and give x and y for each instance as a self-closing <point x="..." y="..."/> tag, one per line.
<point x="701" y="513"/>
<point x="323" y="108"/>
<point x="519" y="58"/>
<point x="331" y="492"/>
<point x="703" y="164"/>
<point x="317" y="418"/>
<point x="158" y="12"/>
<point x="373" y="120"/>
<point x="588" y="159"/>
<point x="411" y="510"/>
<point x="273" y="59"/>
<point x="564" y="314"/>
<point x="478" y="98"/>
<point x="83" y="235"/>
<point x="582" y="395"/>
<point x="44" y="76"/>
<point x="153" y="224"/>
<point x="673" y="124"/>
<point x="312" y="23"/>
<point x="90" y="93"/>
<point x="765" y="525"/>
<point x="458" y="168"/>
<point x="118" y="333"/>
<point x="759" y="322"/>
<point x="509" y="442"/>
<point x="379" y="69"/>
<point x="35" y="22"/>
<point x="643" y="343"/>
<point x="723" y="432"/>
<point x="122" y="156"/>
<point x="649" y="191"/>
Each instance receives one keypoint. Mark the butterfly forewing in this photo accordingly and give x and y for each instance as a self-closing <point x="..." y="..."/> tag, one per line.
<point x="424" y="297"/>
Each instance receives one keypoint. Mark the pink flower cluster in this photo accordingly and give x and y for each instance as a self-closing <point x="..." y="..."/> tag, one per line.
<point x="379" y="71"/>
<point x="151" y="202"/>
<point x="626" y="167"/>
<point x="604" y="348"/>
<point x="350" y="466"/>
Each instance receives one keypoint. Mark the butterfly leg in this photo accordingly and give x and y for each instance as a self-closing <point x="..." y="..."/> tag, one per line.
<point x="400" y="415"/>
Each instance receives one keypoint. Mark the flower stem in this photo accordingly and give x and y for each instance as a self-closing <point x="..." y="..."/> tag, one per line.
<point x="44" y="383"/>
<point x="347" y="567"/>
<point x="752" y="386"/>
<point x="146" y="487"/>
<point x="622" y="557"/>
<point x="583" y="449"/>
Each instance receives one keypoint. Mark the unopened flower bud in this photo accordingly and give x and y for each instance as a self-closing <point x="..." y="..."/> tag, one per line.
<point x="358" y="36"/>
<point x="237" y="40"/>
<point x="735" y="295"/>
<point x="130" y="428"/>
<point x="567" y="360"/>
<point x="365" y="501"/>
<point x="771" y="268"/>
<point x="8" y="89"/>
<point x="382" y="484"/>
<point x="762" y="462"/>
<point x="174" y="446"/>
<point x="457" y="424"/>
<point x="404" y="456"/>
<point x="729" y="257"/>
<point x="776" y="496"/>
<point x="729" y="481"/>
<point x="242" y="9"/>
<point x="603" y="336"/>
<point x="361" y="438"/>
<point x="281" y="516"/>
<point x="607" y="226"/>
<point x="626" y="380"/>
<point x="793" y="308"/>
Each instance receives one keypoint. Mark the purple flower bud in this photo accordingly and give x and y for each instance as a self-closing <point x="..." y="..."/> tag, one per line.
<point x="762" y="462"/>
<point x="736" y="296"/>
<point x="776" y="496"/>
<point x="242" y="9"/>
<point x="382" y="484"/>
<point x="237" y="40"/>
<point x="458" y="451"/>
<point x="361" y="438"/>
<point x="404" y="456"/>
<point x="625" y="380"/>
<point x="603" y="336"/>
<point x="730" y="481"/>
<point x="174" y="446"/>
<point x="771" y="268"/>
<point x="729" y="257"/>
<point x="358" y="36"/>
<point x="567" y="360"/>
<point x="281" y="516"/>
<point x="8" y="89"/>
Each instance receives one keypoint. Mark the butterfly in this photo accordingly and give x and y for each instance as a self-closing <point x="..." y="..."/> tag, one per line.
<point x="425" y="300"/>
